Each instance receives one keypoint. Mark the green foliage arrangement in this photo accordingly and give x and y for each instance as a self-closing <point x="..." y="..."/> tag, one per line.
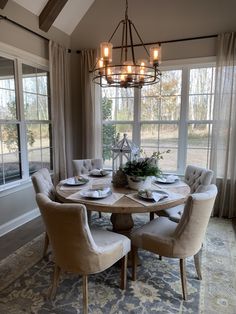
<point x="144" y="167"/>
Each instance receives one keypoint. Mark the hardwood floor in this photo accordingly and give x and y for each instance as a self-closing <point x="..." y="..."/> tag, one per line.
<point x="20" y="236"/>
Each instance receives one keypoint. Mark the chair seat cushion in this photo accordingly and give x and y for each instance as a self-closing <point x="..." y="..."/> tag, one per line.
<point x="104" y="238"/>
<point x="156" y="236"/>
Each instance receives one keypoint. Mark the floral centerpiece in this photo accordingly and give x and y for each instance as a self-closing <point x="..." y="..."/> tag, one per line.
<point x="140" y="172"/>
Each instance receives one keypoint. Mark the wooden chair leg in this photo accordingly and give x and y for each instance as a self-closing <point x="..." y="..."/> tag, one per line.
<point x="46" y="243"/>
<point x="151" y="215"/>
<point x="123" y="276"/>
<point x="85" y="294"/>
<point x="198" y="265"/>
<point x="134" y="262"/>
<point x="100" y="214"/>
<point x="56" y="275"/>
<point x="183" y="278"/>
<point x="160" y="257"/>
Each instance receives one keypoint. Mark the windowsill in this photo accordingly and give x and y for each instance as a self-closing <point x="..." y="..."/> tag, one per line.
<point x="15" y="187"/>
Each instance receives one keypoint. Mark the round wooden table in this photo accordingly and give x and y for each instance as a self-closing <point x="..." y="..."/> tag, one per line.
<point x="123" y="208"/>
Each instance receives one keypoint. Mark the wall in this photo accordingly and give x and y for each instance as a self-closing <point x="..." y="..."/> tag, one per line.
<point x="17" y="205"/>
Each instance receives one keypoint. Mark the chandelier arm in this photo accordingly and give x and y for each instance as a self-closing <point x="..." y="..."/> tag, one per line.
<point x="123" y="38"/>
<point x="131" y="42"/>
<point x="115" y="30"/>
<point x="140" y="39"/>
<point x="126" y="37"/>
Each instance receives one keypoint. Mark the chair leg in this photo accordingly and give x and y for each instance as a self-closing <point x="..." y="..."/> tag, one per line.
<point x="198" y="265"/>
<point x="100" y="214"/>
<point x="85" y="294"/>
<point x="123" y="276"/>
<point x="160" y="258"/>
<point x="151" y="215"/>
<point x="46" y="243"/>
<point x="134" y="262"/>
<point x="56" y="275"/>
<point x="183" y="278"/>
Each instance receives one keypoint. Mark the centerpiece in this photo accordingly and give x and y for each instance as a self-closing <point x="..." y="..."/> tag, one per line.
<point x="140" y="172"/>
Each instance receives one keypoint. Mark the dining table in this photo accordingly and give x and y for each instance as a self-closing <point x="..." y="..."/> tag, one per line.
<point x="121" y="202"/>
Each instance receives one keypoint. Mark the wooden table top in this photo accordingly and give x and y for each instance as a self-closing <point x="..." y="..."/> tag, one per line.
<point x="124" y="205"/>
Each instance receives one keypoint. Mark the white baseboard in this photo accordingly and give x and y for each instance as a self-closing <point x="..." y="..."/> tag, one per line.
<point x="19" y="221"/>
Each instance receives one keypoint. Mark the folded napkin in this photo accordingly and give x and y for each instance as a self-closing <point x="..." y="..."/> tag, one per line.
<point x="98" y="172"/>
<point x="149" y="194"/>
<point x="95" y="193"/>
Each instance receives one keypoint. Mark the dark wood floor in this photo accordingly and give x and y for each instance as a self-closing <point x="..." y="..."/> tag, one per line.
<point x="20" y="236"/>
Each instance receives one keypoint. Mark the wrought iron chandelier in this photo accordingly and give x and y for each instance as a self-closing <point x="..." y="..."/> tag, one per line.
<point x="128" y="73"/>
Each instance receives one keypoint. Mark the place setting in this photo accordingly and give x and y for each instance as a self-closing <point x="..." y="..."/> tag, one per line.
<point x="73" y="183"/>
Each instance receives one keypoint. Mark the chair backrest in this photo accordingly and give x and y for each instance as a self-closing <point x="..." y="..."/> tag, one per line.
<point x="83" y="166"/>
<point x="73" y="246"/>
<point x="197" y="178"/>
<point x="191" y="229"/>
<point x="42" y="183"/>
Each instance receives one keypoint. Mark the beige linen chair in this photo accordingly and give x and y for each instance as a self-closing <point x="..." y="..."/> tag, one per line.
<point x="42" y="183"/>
<point x="198" y="180"/>
<point x="78" y="249"/>
<point x="84" y="166"/>
<point x="167" y="238"/>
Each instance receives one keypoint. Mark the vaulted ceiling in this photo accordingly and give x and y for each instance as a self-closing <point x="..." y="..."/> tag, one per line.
<point x="63" y="14"/>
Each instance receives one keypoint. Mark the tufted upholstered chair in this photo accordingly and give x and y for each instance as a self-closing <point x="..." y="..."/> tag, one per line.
<point x="198" y="180"/>
<point x="84" y="166"/>
<point x="77" y="248"/>
<point x="167" y="238"/>
<point x="42" y="183"/>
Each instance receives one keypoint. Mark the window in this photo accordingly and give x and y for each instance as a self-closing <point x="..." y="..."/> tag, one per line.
<point x="174" y="114"/>
<point x="25" y="126"/>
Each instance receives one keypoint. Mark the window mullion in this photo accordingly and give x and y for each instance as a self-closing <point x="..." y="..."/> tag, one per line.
<point x="183" y="124"/>
<point x="23" y="129"/>
<point x="137" y="114"/>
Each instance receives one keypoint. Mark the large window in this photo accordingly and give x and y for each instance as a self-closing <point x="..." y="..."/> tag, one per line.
<point x="25" y="126"/>
<point x="174" y="114"/>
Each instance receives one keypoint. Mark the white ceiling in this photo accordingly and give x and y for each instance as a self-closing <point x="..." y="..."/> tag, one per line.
<point x="69" y="17"/>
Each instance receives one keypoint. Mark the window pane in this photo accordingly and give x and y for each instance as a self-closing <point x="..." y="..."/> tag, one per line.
<point x="12" y="167"/>
<point x="170" y="108"/>
<point x="201" y="81"/>
<point x="7" y="90"/>
<point x="30" y="106"/>
<point x="200" y="107"/>
<point x="42" y="82"/>
<point x="151" y="90"/>
<point x="35" y="160"/>
<point x="119" y="109"/>
<point x="171" y="82"/>
<point x="150" y="108"/>
<point x="198" y="150"/>
<point x="33" y="136"/>
<point x="29" y="79"/>
<point x="43" y="107"/>
<point x="117" y="92"/>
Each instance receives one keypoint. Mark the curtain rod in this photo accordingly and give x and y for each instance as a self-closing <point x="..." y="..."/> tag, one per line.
<point x="165" y="41"/>
<point x="2" y="17"/>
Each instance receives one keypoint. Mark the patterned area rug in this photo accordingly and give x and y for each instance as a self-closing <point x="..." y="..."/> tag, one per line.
<point x="25" y="279"/>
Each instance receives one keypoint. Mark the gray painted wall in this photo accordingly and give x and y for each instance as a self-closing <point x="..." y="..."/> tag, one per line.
<point x="19" y="201"/>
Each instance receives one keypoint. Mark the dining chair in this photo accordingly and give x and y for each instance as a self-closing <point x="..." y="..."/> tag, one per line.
<point x="77" y="248"/>
<point x="198" y="179"/>
<point x="84" y="166"/>
<point x="167" y="238"/>
<point x="42" y="183"/>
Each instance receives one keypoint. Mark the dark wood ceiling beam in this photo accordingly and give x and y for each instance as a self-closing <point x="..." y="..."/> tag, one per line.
<point x="3" y="3"/>
<point x="49" y="13"/>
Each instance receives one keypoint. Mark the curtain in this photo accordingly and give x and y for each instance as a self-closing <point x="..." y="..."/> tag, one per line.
<point x="61" y="111"/>
<point x="91" y="123"/>
<point x="223" y="156"/>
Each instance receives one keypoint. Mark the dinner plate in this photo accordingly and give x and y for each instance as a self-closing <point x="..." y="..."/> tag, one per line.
<point x="148" y="194"/>
<point x="165" y="180"/>
<point x="103" y="173"/>
<point x="88" y="194"/>
<point x="76" y="181"/>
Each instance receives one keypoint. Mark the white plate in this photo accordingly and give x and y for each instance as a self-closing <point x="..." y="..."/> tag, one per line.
<point x="143" y="194"/>
<point x="88" y="194"/>
<point x="103" y="173"/>
<point x="165" y="180"/>
<point x="77" y="181"/>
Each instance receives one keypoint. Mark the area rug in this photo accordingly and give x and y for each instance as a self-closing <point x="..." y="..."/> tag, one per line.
<point x="25" y="279"/>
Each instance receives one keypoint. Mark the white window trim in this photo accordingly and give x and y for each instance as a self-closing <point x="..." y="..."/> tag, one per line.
<point x="13" y="53"/>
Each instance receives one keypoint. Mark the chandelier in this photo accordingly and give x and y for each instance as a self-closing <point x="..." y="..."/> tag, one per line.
<point x="128" y="73"/>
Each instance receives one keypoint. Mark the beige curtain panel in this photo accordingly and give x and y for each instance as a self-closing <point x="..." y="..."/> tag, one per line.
<point x="223" y="156"/>
<point x="61" y="111"/>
